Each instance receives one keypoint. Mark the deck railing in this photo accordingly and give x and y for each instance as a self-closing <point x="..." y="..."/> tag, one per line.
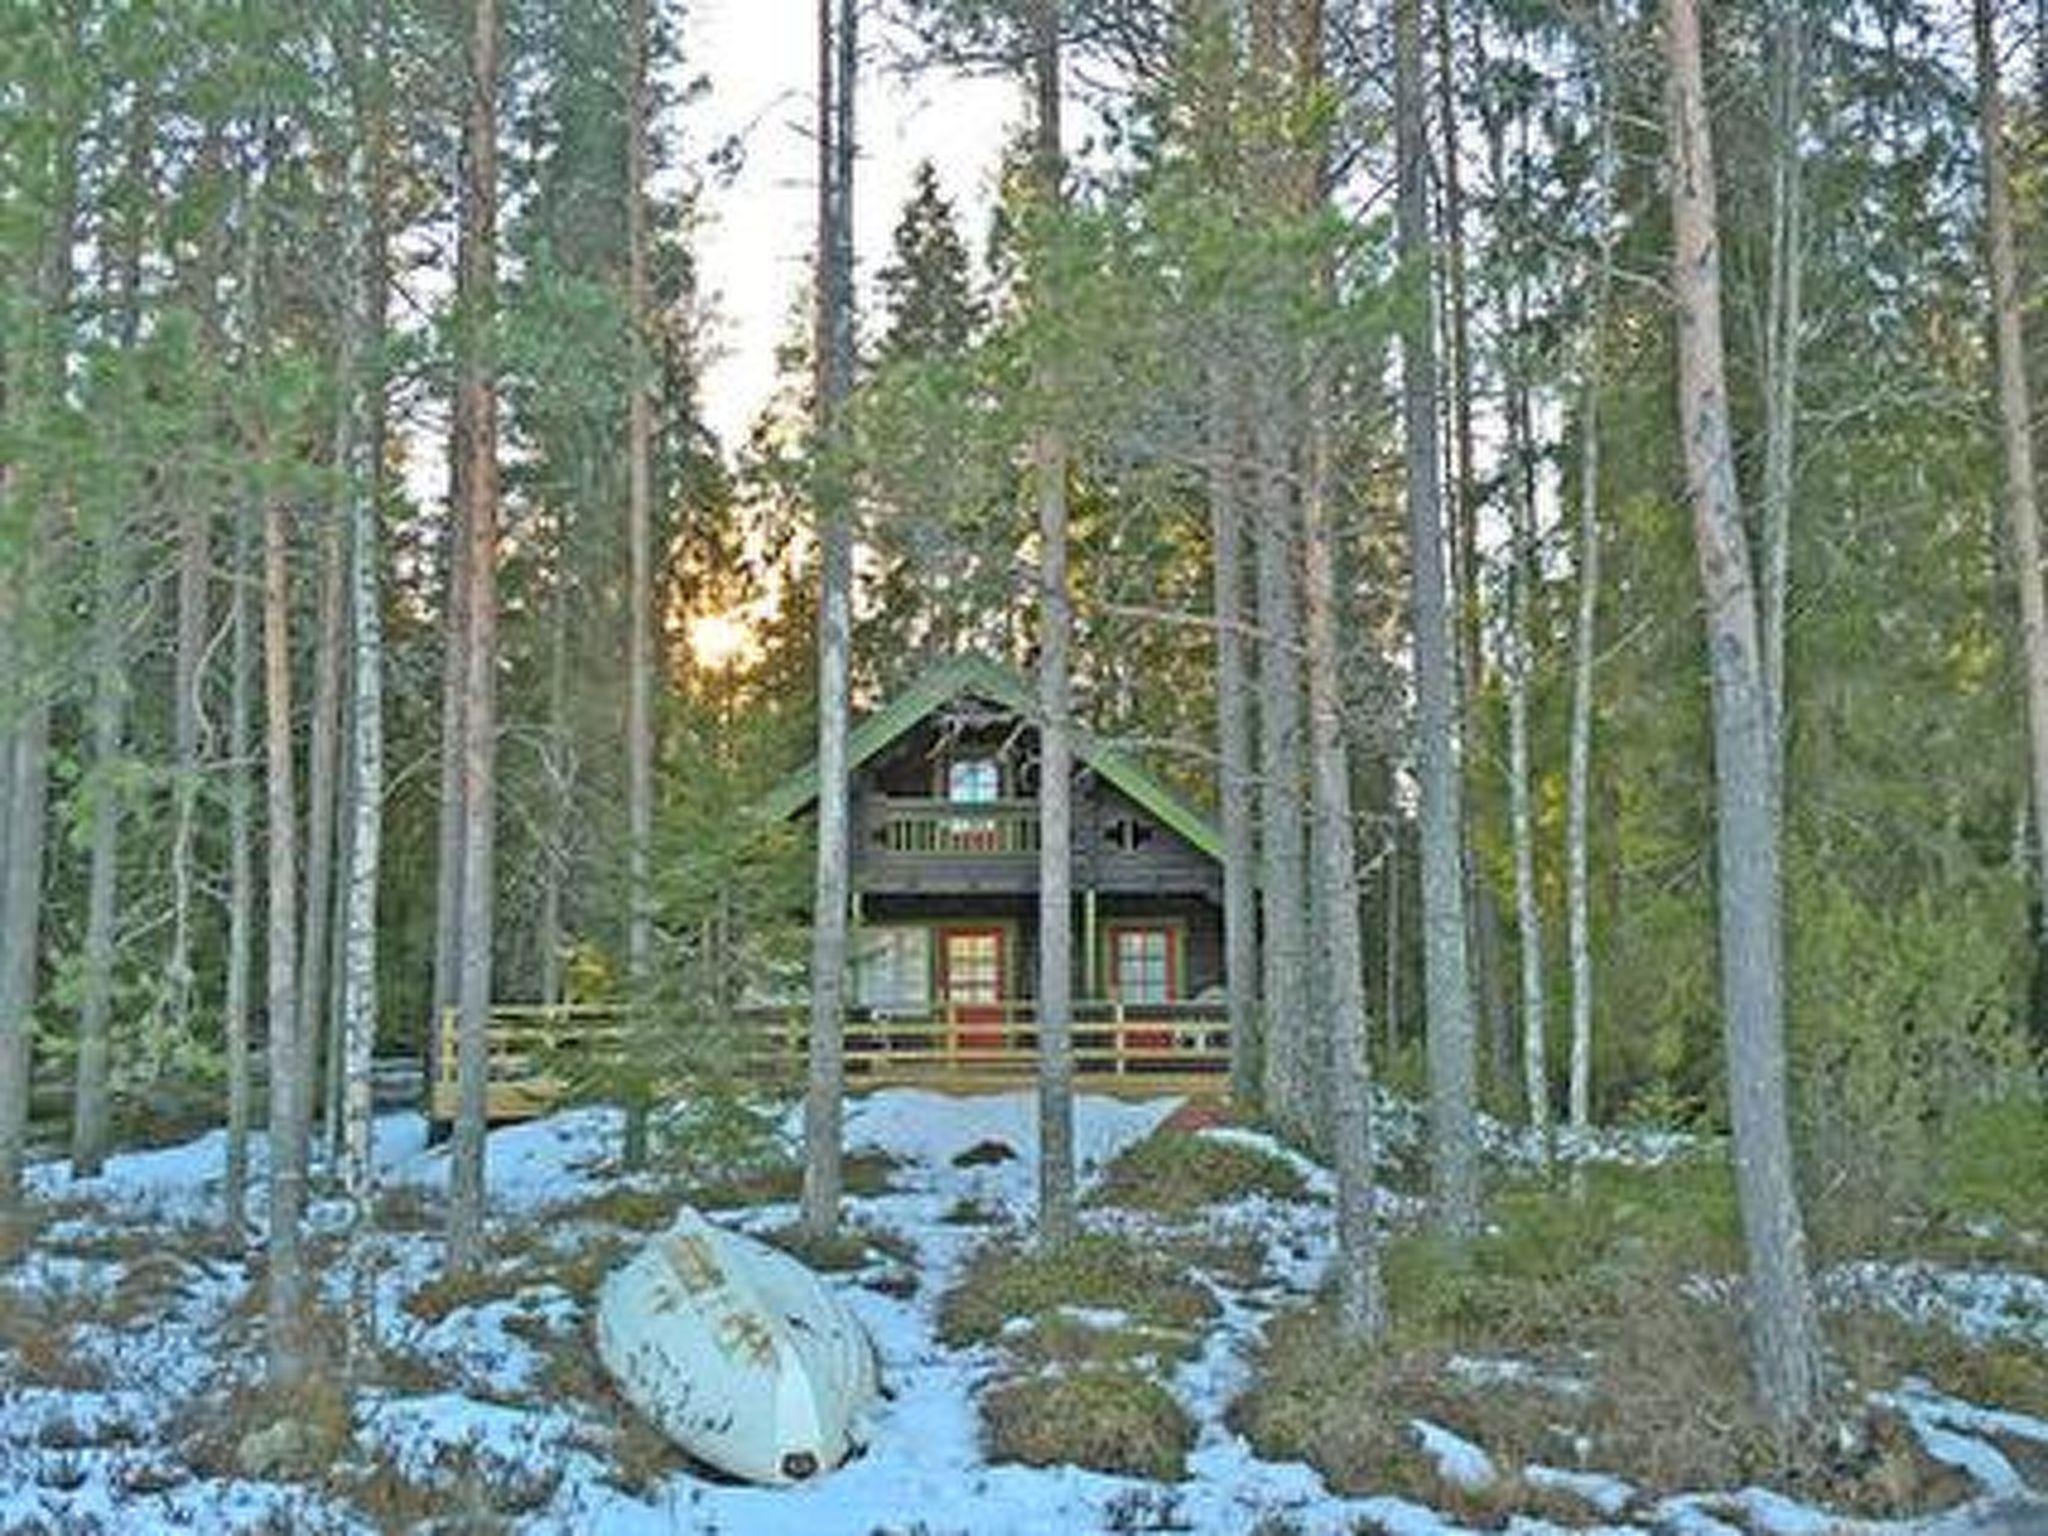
<point x="1125" y="1048"/>
<point x="941" y="829"/>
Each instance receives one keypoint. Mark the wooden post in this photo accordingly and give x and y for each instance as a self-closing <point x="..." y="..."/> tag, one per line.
<point x="1091" y="961"/>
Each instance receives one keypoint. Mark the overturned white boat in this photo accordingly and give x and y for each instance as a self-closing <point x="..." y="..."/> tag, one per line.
<point x="738" y="1353"/>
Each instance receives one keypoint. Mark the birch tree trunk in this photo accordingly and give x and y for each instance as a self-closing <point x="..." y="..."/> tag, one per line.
<point x="2015" y="413"/>
<point x="476" y="297"/>
<point x="322" y="794"/>
<point x="1578" y="777"/>
<point x="826" y="1089"/>
<point x="1447" y="979"/>
<point x="364" y="261"/>
<point x="1783" y="1334"/>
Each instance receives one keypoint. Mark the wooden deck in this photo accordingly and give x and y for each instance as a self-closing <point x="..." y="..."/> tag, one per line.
<point x="1128" y="1050"/>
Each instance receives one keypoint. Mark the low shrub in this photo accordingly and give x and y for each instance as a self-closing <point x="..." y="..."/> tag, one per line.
<point x="1176" y="1173"/>
<point x="1109" y="1271"/>
<point x="1108" y="1419"/>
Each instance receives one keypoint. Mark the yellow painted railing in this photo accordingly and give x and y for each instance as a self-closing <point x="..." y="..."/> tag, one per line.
<point x="1124" y="1048"/>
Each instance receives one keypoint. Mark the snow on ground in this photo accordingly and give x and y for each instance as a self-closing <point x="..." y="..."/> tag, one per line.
<point x="142" y="1338"/>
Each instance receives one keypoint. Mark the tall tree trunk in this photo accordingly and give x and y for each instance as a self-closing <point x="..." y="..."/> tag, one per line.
<point x="2015" y="410"/>
<point x="1285" y="1023"/>
<point x="91" y="1117"/>
<point x="1578" y="778"/>
<point x="1361" y="1298"/>
<point x="1522" y="574"/>
<point x="241" y="896"/>
<point x="286" y="1116"/>
<point x="1454" y="1143"/>
<point x="365" y="259"/>
<point x="1783" y="1335"/>
<point x="1781" y="351"/>
<point x="25" y="743"/>
<point x="1234" y="736"/>
<point x="1055" y="708"/>
<point x="1283" y="892"/>
<point x="639" y="514"/>
<point x="640" y="562"/>
<point x="826" y="1089"/>
<point x="476" y="297"/>
<point x="322" y="794"/>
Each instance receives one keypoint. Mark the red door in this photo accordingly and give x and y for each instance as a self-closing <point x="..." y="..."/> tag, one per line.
<point x="971" y="972"/>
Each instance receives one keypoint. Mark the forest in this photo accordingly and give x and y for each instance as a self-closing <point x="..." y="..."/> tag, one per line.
<point x="1534" y="502"/>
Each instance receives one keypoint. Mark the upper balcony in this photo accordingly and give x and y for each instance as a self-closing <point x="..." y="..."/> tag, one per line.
<point x="951" y="829"/>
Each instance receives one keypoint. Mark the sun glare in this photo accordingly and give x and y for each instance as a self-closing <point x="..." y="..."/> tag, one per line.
<point x="719" y="639"/>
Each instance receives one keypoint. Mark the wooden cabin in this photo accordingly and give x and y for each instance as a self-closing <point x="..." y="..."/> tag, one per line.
<point x="943" y="802"/>
<point x="943" y="970"/>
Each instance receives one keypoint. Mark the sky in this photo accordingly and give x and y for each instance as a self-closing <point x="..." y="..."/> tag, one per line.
<point x="760" y="59"/>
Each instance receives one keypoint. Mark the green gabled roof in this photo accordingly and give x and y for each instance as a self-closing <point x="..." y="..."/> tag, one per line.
<point x="992" y="680"/>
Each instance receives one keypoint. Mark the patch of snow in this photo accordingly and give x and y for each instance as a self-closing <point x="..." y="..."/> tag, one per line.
<point x="1609" y="1495"/>
<point x="1457" y="1459"/>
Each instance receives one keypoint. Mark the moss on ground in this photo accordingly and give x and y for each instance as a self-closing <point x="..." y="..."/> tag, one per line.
<point x="1007" y="1280"/>
<point x="1176" y="1173"/>
<point x="1112" y="1419"/>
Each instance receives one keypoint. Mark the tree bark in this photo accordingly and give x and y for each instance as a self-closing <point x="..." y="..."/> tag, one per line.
<point x="476" y="297"/>
<point x="1055" y="708"/>
<point x="1447" y="979"/>
<point x="1521" y="817"/>
<point x="1361" y="1296"/>
<point x="639" y="514"/>
<point x="1781" y="353"/>
<point x="1234" y="738"/>
<point x="2015" y="410"/>
<point x="823" y="1113"/>
<point x="322" y="795"/>
<point x="90" y="1110"/>
<point x="1578" y="777"/>
<point x="1783" y="1335"/>
<point x="241" y="897"/>
<point x="26" y="741"/>
<point x="286" y="1116"/>
<point x="1283" y="891"/>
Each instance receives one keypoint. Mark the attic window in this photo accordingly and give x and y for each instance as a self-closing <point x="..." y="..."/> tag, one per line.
<point x="974" y="781"/>
<point x="1127" y="833"/>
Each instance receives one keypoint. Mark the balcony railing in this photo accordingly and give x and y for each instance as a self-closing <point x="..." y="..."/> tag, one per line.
<point x="942" y="829"/>
<point x="1133" y="1049"/>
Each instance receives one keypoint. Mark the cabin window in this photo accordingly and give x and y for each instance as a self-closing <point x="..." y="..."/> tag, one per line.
<point x="892" y="969"/>
<point x="1127" y="833"/>
<point x="974" y="781"/>
<point x="1141" y="964"/>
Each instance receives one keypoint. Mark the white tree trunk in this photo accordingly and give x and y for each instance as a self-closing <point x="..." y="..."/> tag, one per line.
<point x="1578" y="781"/>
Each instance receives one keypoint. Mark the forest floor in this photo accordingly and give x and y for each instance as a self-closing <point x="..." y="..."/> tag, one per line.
<point x="130" y="1355"/>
